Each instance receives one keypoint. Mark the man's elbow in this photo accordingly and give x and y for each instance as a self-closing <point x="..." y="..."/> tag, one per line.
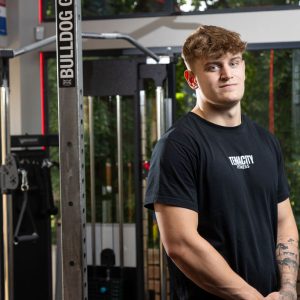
<point x="177" y="249"/>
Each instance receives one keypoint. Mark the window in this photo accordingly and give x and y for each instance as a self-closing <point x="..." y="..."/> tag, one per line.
<point x="96" y="9"/>
<point x="257" y="103"/>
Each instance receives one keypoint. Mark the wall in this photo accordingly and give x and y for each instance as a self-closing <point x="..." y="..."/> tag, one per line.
<point x="22" y="17"/>
<point x="255" y="27"/>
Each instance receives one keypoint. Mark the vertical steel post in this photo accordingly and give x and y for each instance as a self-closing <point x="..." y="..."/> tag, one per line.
<point x="143" y="123"/>
<point x="7" y="224"/>
<point x="140" y="292"/>
<point x="71" y="149"/>
<point x="120" y="178"/>
<point x="159" y="94"/>
<point x="160" y="111"/>
<point x="144" y="157"/>
<point x="168" y="109"/>
<point x="171" y="89"/>
<point x="160" y="116"/>
<point x="92" y="179"/>
<point x="58" y="273"/>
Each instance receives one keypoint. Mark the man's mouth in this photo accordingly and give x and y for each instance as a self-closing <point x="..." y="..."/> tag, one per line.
<point x="228" y="85"/>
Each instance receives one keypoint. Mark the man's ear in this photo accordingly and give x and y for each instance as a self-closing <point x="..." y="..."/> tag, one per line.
<point x="191" y="79"/>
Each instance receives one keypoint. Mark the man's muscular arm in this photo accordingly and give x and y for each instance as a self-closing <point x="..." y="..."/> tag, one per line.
<point x="198" y="259"/>
<point x="287" y="253"/>
<point x="288" y="260"/>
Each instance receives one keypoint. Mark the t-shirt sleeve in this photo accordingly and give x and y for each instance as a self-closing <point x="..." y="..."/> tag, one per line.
<point x="283" y="190"/>
<point x="172" y="176"/>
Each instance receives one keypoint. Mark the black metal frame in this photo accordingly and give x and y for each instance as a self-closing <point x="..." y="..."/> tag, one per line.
<point x="129" y="85"/>
<point x="5" y="55"/>
<point x="171" y="12"/>
<point x="126" y="87"/>
<point x="172" y="51"/>
<point x="38" y="252"/>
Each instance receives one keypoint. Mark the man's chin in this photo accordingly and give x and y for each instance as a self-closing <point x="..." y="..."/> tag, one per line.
<point x="227" y="103"/>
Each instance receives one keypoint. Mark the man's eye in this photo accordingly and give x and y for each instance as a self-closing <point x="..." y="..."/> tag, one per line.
<point x="235" y="63"/>
<point x="212" y="68"/>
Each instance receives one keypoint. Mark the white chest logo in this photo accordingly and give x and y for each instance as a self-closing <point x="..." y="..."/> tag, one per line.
<point x="242" y="162"/>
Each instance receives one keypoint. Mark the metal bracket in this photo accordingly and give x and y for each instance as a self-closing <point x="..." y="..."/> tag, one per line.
<point x="39" y="32"/>
<point x="9" y="179"/>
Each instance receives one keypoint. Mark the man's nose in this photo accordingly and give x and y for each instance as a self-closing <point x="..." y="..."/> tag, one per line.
<point x="226" y="73"/>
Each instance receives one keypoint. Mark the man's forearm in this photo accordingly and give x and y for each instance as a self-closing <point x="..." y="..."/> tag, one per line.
<point x="197" y="258"/>
<point x="287" y="255"/>
<point x="208" y="269"/>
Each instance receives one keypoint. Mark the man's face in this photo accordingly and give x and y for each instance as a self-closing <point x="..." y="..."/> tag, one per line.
<point x="220" y="81"/>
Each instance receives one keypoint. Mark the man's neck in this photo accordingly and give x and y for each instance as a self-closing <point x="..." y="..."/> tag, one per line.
<point x="224" y="117"/>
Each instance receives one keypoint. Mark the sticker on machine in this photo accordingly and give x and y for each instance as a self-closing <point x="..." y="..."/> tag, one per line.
<point x="66" y="43"/>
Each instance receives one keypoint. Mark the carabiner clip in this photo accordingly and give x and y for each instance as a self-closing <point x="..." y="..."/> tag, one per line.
<point x="24" y="183"/>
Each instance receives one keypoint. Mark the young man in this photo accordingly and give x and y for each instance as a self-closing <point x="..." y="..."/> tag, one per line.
<point x="218" y="187"/>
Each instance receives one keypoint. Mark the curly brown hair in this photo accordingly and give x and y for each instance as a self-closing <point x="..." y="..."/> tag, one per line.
<point x="211" y="42"/>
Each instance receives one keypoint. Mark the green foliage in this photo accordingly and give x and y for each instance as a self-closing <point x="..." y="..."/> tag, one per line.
<point x="255" y="101"/>
<point x="255" y="104"/>
<point x="246" y="3"/>
<point x="185" y="96"/>
<point x="97" y="8"/>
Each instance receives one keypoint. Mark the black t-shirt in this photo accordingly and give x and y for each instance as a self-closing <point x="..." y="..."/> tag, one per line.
<point x="234" y="178"/>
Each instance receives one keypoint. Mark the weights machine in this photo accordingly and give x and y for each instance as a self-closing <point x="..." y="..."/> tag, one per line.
<point x="70" y="99"/>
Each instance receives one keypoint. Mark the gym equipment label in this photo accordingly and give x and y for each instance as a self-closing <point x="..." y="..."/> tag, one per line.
<point x="65" y="43"/>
